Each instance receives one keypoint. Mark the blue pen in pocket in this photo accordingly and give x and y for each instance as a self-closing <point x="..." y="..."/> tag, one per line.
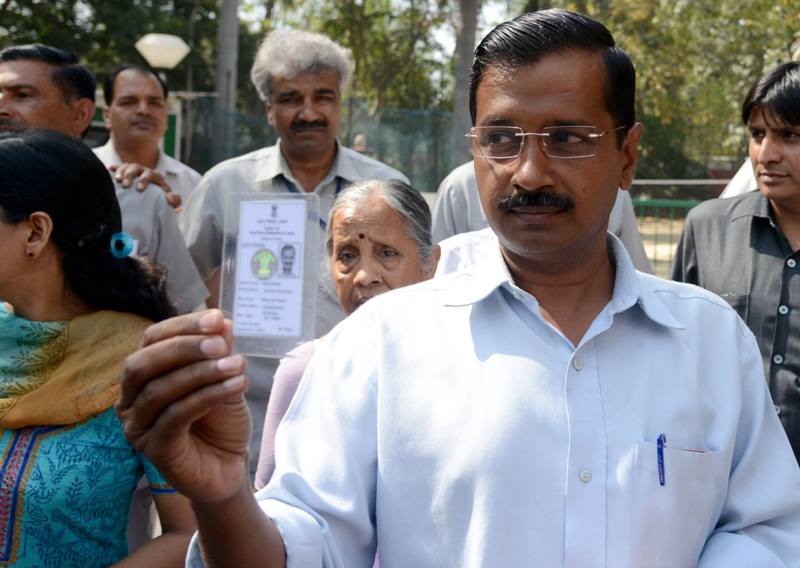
<point x="661" y="444"/>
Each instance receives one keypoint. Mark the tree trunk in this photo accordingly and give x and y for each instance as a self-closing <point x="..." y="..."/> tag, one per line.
<point x="227" y="56"/>
<point x="465" y="52"/>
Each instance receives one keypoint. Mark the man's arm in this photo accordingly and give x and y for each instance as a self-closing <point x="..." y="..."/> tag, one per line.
<point x="201" y="224"/>
<point x="182" y="404"/>
<point x="451" y="211"/>
<point x="684" y="263"/>
<point x="622" y="223"/>
<point x="184" y="284"/>
<point x="759" y="524"/>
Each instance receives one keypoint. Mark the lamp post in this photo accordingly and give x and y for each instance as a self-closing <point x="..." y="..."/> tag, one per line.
<point x="162" y="51"/>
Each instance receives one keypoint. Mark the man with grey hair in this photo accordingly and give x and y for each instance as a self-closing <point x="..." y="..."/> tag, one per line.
<point x="300" y="76"/>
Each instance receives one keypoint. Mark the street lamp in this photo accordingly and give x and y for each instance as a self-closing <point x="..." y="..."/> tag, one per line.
<point x="162" y="51"/>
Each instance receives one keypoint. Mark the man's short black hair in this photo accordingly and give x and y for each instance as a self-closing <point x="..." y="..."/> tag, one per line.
<point x="528" y="38"/>
<point x="777" y="92"/>
<point x="73" y="79"/>
<point x="108" y="84"/>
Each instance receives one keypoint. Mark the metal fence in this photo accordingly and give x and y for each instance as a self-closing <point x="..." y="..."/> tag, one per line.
<point x="661" y="207"/>
<point x="660" y="224"/>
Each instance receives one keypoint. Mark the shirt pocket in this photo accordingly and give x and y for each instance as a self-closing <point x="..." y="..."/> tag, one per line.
<point x="739" y="302"/>
<point x="671" y="522"/>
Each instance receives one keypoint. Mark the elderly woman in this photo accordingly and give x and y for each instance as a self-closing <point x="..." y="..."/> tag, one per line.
<point x="80" y="306"/>
<point x="378" y="238"/>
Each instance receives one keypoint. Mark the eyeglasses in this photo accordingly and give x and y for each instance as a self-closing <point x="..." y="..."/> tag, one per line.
<point x="507" y="142"/>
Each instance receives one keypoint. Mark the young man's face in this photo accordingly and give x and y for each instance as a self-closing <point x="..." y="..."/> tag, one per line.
<point x="775" y="155"/>
<point x="565" y="89"/>
<point x="138" y="113"/>
<point x="29" y="99"/>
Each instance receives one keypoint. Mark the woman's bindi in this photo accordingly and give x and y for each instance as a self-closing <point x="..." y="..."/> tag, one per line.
<point x="360" y="235"/>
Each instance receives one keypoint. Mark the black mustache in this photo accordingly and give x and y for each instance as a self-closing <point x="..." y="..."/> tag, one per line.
<point x="304" y="124"/>
<point x="540" y="198"/>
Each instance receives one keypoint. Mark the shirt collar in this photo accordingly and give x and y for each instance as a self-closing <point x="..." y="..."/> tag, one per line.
<point x="752" y="204"/>
<point x="480" y="280"/>
<point x="163" y="165"/>
<point x="110" y="153"/>
<point x="275" y="165"/>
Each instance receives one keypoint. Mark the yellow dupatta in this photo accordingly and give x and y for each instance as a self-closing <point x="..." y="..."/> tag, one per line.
<point x="54" y="373"/>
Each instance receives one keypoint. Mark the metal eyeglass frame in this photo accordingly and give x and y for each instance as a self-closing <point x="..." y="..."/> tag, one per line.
<point x="545" y="133"/>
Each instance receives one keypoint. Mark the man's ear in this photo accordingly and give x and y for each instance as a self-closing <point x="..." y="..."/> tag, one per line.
<point x="82" y="115"/>
<point x="270" y="118"/>
<point x="630" y="151"/>
<point x="39" y="229"/>
<point x="107" y="117"/>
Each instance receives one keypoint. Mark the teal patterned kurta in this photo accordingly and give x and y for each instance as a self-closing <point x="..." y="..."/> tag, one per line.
<point x="65" y="490"/>
<point x="65" y="493"/>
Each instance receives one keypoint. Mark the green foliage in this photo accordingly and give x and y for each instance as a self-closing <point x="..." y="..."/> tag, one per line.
<point x="397" y="61"/>
<point x="103" y="33"/>
<point x="695" y="61"/>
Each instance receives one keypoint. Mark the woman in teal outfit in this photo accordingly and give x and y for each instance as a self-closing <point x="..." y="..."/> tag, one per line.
<point x="75" y="306"/>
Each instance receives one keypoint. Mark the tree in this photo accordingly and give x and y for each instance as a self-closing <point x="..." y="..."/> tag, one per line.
<point x="226" y="78"/>
<point x="466" y="26"/>
<point x="695" y="61"/>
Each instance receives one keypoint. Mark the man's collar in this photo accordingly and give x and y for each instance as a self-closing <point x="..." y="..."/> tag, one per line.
<point x="162" y="166"/>
<point x="109" y="153"/>
<point x="751" y="204"/>
<point x="165" y="164"/>
<point x="275" y="164"/>
<point x="480" y="280"/>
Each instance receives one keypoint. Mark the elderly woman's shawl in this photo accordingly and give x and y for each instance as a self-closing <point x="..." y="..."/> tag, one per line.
<point x="62" y="372"/>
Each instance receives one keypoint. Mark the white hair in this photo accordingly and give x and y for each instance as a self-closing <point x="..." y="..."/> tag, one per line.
<point x="289" y="53"/>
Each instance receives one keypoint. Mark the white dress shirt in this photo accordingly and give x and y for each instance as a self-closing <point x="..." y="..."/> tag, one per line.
<point x="451" y="425"/>
<point x="457" y="210"/>
<point x="181" y="178"/>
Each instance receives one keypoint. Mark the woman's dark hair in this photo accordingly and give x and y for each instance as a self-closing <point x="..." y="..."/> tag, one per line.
<point x="777" y="92"/>
<point x="59" y="175"/>
<point x="527" y="39"/>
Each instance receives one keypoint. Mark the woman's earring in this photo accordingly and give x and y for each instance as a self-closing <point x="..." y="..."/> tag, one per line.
<point x="30" y="254"/>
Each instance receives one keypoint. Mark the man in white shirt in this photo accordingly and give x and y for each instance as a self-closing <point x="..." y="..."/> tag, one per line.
<point x="300" y="76"/>
<point x="136" y="118"/>
<point x="550" y="407"/>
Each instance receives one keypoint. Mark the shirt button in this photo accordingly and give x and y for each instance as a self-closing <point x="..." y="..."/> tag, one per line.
<point x="778" y="359"/>
<point x="791" y="263"/>
<point x="586" y="475"/>
<point x="577" y="363"/>
<point x="517" y="295"/>
<point x="777" y="409"/>
<point x="783" y="310"/>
